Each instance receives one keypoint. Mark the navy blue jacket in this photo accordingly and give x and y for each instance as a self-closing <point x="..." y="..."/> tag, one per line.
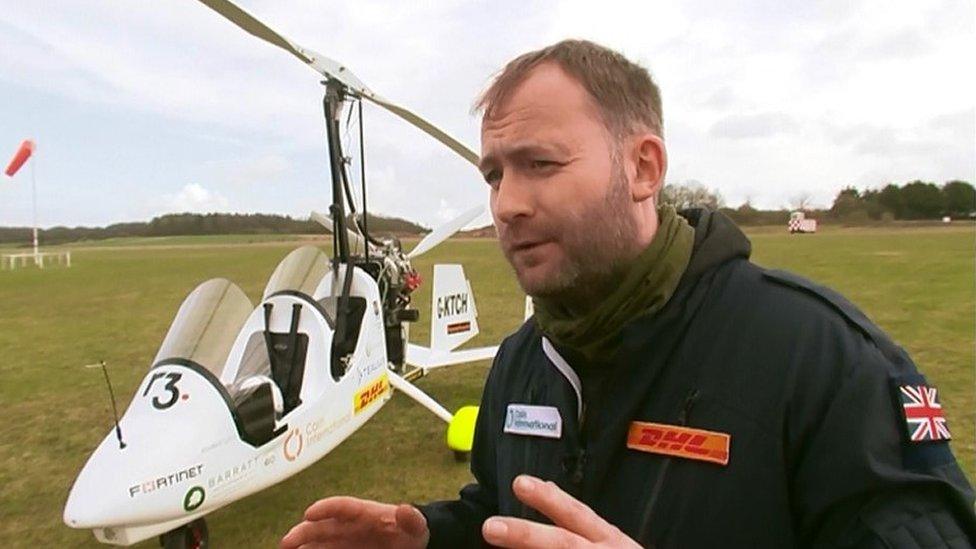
<point x="806" y="387"/>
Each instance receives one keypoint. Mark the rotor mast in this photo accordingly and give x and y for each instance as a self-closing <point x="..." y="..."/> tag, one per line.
<point x="335" y="95"/>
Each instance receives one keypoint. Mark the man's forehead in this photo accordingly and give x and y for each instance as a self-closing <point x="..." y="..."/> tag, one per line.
<point x="524" y="120"/>
<point x="547" y="95"/>
<point x="528" y="130"/>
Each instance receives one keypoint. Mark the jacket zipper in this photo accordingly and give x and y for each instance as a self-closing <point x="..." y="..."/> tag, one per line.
<point x="573" y="464"/>
<point x="587" y="409"/>
<point x="579" y="459"/>
<point x="659" y="481"/>
<point x="526" y="456"/>
<point x="579" y="466"/>
<point x="529" y="466"/>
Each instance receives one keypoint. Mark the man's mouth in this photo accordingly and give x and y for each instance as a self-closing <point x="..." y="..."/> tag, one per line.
<point x="525" y="245"/>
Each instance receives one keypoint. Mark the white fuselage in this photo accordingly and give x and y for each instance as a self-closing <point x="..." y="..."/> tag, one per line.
<point x="185" y="456"/>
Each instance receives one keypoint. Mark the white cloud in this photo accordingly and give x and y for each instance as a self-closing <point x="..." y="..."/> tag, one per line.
<point x="196" y="199"/>
<point x="888" y="143"/>
<point x="446" y="212"/>
<point x="745" y="126"/>
<point x="262" y="169"/>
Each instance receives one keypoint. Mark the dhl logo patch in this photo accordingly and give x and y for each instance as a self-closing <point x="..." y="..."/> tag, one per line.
<point x="673" y="440"/>
<point x="369" y="393"/>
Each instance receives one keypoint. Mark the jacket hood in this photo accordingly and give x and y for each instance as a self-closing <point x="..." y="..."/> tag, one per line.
<point x="717" y="240"/>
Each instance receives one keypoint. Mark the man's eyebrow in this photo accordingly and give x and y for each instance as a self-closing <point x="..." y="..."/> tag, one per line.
<point x="519" y="150"/>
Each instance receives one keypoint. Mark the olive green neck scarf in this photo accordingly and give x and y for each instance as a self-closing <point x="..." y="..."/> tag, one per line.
<point x="645" y="287"/>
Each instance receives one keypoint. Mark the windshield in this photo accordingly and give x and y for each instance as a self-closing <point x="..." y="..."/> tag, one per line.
<point x="301" y="270"/>
<point x="255" y="361"/>
<point x="207" y="325"/>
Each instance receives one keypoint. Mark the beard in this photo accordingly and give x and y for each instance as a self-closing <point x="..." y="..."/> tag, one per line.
<point x="598" y="244"/>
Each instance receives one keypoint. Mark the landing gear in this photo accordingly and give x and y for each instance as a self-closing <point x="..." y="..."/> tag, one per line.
<point x="189" y="536"/>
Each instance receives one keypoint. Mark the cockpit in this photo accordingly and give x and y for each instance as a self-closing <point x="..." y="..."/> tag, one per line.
<point x="263" y="383"/>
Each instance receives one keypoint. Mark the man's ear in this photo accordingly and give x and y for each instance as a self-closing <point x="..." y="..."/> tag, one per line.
<point x="651" y="160"/>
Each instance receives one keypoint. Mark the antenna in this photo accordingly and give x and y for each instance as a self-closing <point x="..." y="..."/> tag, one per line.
<point x="362" y="175"/>
<point x="111" y="395"/>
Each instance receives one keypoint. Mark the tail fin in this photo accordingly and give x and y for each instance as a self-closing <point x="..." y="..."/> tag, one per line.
<point x="454" y="318"/>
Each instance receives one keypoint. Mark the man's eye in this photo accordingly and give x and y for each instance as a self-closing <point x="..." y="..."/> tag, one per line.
<point x="542" y="164"/>
<point x="493" y="177"/>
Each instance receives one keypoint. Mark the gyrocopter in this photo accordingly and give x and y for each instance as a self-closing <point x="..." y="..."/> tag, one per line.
<point x="239" y="397"/>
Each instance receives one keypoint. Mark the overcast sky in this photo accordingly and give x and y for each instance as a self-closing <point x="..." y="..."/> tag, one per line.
<point x="143" y="107"/>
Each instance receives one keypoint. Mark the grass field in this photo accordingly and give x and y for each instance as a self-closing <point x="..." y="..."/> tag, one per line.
<point x="174" y="241"/>
<point x="116" y="303"/>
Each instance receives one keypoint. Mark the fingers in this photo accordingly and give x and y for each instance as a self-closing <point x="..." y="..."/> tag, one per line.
<point x="344" y="508"/>
<point x="563" y="509"/>
<point x="346" y="521"/>
<point x="515" y="532"/>
<point x="333" y="519"/>
<point x="411" y="521"/>
<point x="309" y="534"/>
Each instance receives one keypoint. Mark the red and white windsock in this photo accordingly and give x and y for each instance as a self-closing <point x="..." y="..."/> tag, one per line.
<point x="23" y="153"/>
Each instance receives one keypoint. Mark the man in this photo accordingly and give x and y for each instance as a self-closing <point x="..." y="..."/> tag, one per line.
<point x="668" y="392"/>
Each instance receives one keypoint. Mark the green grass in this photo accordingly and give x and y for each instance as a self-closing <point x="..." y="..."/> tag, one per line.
<point x="212" y="239"/>
<point x="173" y="241"/>
<point x="116" y="303"/>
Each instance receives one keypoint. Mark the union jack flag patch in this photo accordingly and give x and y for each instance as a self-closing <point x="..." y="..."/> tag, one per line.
<point x="924" y="418"/>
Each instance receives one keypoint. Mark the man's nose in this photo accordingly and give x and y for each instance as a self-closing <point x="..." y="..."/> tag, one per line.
<point x="512" y="199"/>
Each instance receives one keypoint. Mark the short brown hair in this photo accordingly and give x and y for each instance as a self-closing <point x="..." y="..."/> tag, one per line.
<point x="624" y="91"/>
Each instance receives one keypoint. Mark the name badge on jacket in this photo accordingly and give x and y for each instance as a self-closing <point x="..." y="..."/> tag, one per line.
<point x="537" y="421"/>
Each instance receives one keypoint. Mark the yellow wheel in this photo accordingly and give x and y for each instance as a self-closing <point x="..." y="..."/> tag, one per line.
<point x="460" y="431"/>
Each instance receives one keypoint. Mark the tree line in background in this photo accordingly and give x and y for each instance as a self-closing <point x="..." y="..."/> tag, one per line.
<point x="917" y="200"/>
<point x="198" y="224"/>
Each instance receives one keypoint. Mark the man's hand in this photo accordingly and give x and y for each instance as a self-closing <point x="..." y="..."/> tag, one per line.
<point x="576" y="525"/>
<point x="352" y="522"/>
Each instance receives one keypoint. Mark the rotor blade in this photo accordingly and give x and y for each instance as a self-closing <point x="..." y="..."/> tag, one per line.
<point x="252" y="25"/>
<point x="442" y="233"/>
<point x="428" y="128"/>
<point x="356" y="241"/>
<point x="331" y="68"/>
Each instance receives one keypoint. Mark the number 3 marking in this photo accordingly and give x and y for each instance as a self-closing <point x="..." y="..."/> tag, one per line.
<point x="170" y="386"/>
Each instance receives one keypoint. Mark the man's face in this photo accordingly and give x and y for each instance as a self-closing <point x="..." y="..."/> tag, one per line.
<point x="560" y="196"/>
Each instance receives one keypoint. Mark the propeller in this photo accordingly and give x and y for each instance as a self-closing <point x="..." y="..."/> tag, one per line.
<point x="442" y="233"/>
<point x="356" y="241"/>
<point x="336" y="71"/>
